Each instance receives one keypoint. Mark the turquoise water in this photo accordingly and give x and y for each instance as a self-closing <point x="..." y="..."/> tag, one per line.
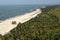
<point x="8" y="11"/>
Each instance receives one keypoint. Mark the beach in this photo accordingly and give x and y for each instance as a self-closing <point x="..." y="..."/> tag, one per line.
<point x="6" y="25"/>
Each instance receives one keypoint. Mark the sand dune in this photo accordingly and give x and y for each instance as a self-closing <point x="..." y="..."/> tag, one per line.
<point x="6" y="25"/>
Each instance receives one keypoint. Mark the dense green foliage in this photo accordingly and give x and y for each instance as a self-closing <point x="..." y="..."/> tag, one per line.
<point x="45" y="26"/>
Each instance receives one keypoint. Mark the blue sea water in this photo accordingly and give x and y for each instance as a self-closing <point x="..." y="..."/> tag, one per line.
<point x="8" y="11"/>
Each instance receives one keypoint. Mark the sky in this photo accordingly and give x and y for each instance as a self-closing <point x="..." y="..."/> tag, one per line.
<point x="15" y="2"/>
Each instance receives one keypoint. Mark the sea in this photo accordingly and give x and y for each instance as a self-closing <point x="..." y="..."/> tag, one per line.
<point x="9" y="11"/>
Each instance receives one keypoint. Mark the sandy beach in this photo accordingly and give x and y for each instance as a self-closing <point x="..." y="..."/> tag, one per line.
<point x="6" y="25"/>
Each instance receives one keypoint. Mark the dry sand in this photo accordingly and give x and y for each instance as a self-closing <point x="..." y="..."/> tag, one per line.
<point x="6" y="25"/>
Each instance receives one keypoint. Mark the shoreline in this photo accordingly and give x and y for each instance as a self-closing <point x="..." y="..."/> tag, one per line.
<point x="6" y="25"/>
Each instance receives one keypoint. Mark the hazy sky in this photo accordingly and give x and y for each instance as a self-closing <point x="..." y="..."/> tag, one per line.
<point x="11" y="2"/>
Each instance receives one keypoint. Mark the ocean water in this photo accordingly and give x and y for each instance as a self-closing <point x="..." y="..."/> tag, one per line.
<point x="8" y="11"/>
